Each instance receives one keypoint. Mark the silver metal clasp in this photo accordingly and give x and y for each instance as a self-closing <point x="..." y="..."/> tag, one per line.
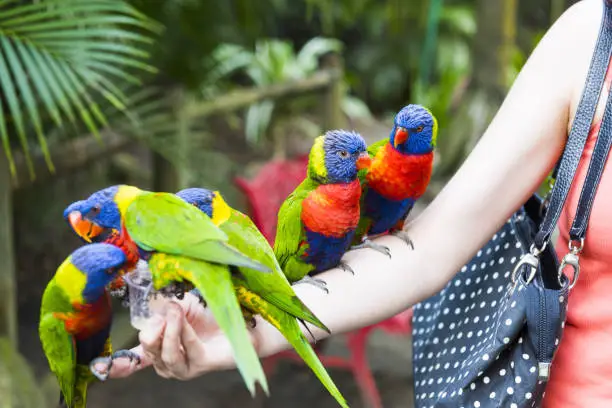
<point x="572" y="259"/>
<point x="532" y="259"/>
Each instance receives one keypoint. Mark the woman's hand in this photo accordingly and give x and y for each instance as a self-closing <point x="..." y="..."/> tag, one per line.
<point x="183" y="342"/>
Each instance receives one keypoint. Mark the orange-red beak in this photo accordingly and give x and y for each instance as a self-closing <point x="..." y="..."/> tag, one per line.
<point x="364" y="161"/>
<point x="84" y="228"/>
<point x="401" y="135"/>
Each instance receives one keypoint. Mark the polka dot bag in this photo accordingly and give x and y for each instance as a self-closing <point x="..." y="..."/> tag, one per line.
<point x="488" y="338"/>
<point x="478" y="342"/>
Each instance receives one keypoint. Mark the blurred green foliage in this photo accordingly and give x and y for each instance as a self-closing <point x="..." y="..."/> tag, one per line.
<point x="18" y="387"/>
<point x="274" y="61"/>
<point x="395" y="52"/>
<point x="58" y="58"/>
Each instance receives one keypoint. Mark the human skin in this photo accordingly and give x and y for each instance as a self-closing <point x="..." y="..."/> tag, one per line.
<point x="517" y="151"/>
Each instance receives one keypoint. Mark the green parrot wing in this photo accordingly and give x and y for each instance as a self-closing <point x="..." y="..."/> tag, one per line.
<point x="273" y="287"/>
<point x="290" y="329"/>
<point x="372" y="151"/>
<point x="290" y="233"/>
<point x="215" y="284"/>
<point x="165" y="223"/>
<point x="376" y="146"/>
<point x="58" y="345"/>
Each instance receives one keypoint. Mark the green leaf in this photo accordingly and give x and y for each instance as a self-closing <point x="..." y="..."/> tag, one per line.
<point x="58" y="55"/>
<point x="80" y="88"/>
<point x="108" y="33"/>
<point x="258" y="120"/>
<point x="355" y="108"/>
<point x="110" y="69"/>
<point x="8" y="89"/>
<point x="39" y="82"/>
<point x="459" y="19"/>
<point x="60" y="25"/>
<point x="28" y="98"/>
<point x="309" y="55"/>
<point x="5" y="142"/>
<point x="85" y="46"/>
<point x="51" y="81"/>
<point x="64" y="83"/>
<point x="117" y="59"/>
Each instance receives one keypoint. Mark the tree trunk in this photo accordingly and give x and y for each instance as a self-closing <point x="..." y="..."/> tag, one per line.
<point x="493" y="47"/>
<point x="8" y="308"/>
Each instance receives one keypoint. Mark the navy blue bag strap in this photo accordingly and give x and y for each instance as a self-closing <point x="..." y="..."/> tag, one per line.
<point x="591" y="181"/>
<point x="578" y="135"/>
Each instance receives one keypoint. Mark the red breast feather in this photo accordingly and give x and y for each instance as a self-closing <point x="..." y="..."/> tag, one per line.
<point x="332" y="210"/>
<point x="399" y="176"/>
<point x="87" y="320"/>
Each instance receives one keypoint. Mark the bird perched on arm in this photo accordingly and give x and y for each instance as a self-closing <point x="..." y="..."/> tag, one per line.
<point x="180" y="243"/>
<point x="75" y="318"/>
<point x="317" y="222"/>
<point x="269" y="295"/>
<point x="399" y="175"/>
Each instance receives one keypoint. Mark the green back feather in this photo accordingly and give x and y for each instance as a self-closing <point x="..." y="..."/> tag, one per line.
<point x="273" y="287"/>
<point x="290" y="329"/>
<point x="290" y="232"/>
<point x="59" y="347"/>
<point x="165" y="223"/>
<point x="215" y="284"/>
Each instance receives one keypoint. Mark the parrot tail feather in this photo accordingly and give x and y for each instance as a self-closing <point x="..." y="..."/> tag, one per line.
<point x="312" y="336"/>
<point x="293" y="334"/>
<point x="62" y="401"/>
<point x="228" y="255"/>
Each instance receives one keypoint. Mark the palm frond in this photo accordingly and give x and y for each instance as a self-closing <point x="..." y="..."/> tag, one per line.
<point x="58" y="58"/>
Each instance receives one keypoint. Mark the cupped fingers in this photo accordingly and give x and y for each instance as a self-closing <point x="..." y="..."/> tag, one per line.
<point x="195" y="355"/>
<point x="172" y="354"/>
<point x="151" y="339"/>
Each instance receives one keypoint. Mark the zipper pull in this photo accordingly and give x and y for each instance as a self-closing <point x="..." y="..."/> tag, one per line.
<point x="543" y="371"/>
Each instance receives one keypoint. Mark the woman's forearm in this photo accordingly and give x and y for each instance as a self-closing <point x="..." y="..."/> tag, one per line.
<point x="516" y="152"/>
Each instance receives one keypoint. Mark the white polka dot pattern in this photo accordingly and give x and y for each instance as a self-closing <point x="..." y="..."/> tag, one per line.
<point x="477" y="343"/>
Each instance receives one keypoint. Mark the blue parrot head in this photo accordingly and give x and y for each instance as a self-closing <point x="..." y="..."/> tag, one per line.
<point x="100" y="263"/>
<point x="209" y="202"/>
<point x="202" y="198"/>
<point x="337" y="156"/>
<point x="415" y="130"/>
<point x="95" y="216"/>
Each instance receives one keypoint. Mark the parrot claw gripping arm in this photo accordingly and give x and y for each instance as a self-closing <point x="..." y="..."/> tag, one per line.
<point x="403" y="235"/>
<point x="346" y="267"/>
<point x="319" y="283"/>
<point x="367" y="243"/>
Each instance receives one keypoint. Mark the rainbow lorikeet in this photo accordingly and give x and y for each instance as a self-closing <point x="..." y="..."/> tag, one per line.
<point x="269" y="295"/>
<point x="75" y="318"/>
<point x="317" y="222"/>
<point x="400" y="172"/>
<point x="180" y="244"/>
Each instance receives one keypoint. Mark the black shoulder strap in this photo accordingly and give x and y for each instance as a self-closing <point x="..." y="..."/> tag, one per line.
<point x="591" y="181"/>
<point x="580" y="128"/>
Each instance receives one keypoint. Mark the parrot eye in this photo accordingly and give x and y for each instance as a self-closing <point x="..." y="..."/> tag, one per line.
<point x="419" y="129"/>
<point x="344" y="154"/>
<point x="94" y="211"/>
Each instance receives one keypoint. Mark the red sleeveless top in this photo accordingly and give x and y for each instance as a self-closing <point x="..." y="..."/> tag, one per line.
<point x="581" y="373"/>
